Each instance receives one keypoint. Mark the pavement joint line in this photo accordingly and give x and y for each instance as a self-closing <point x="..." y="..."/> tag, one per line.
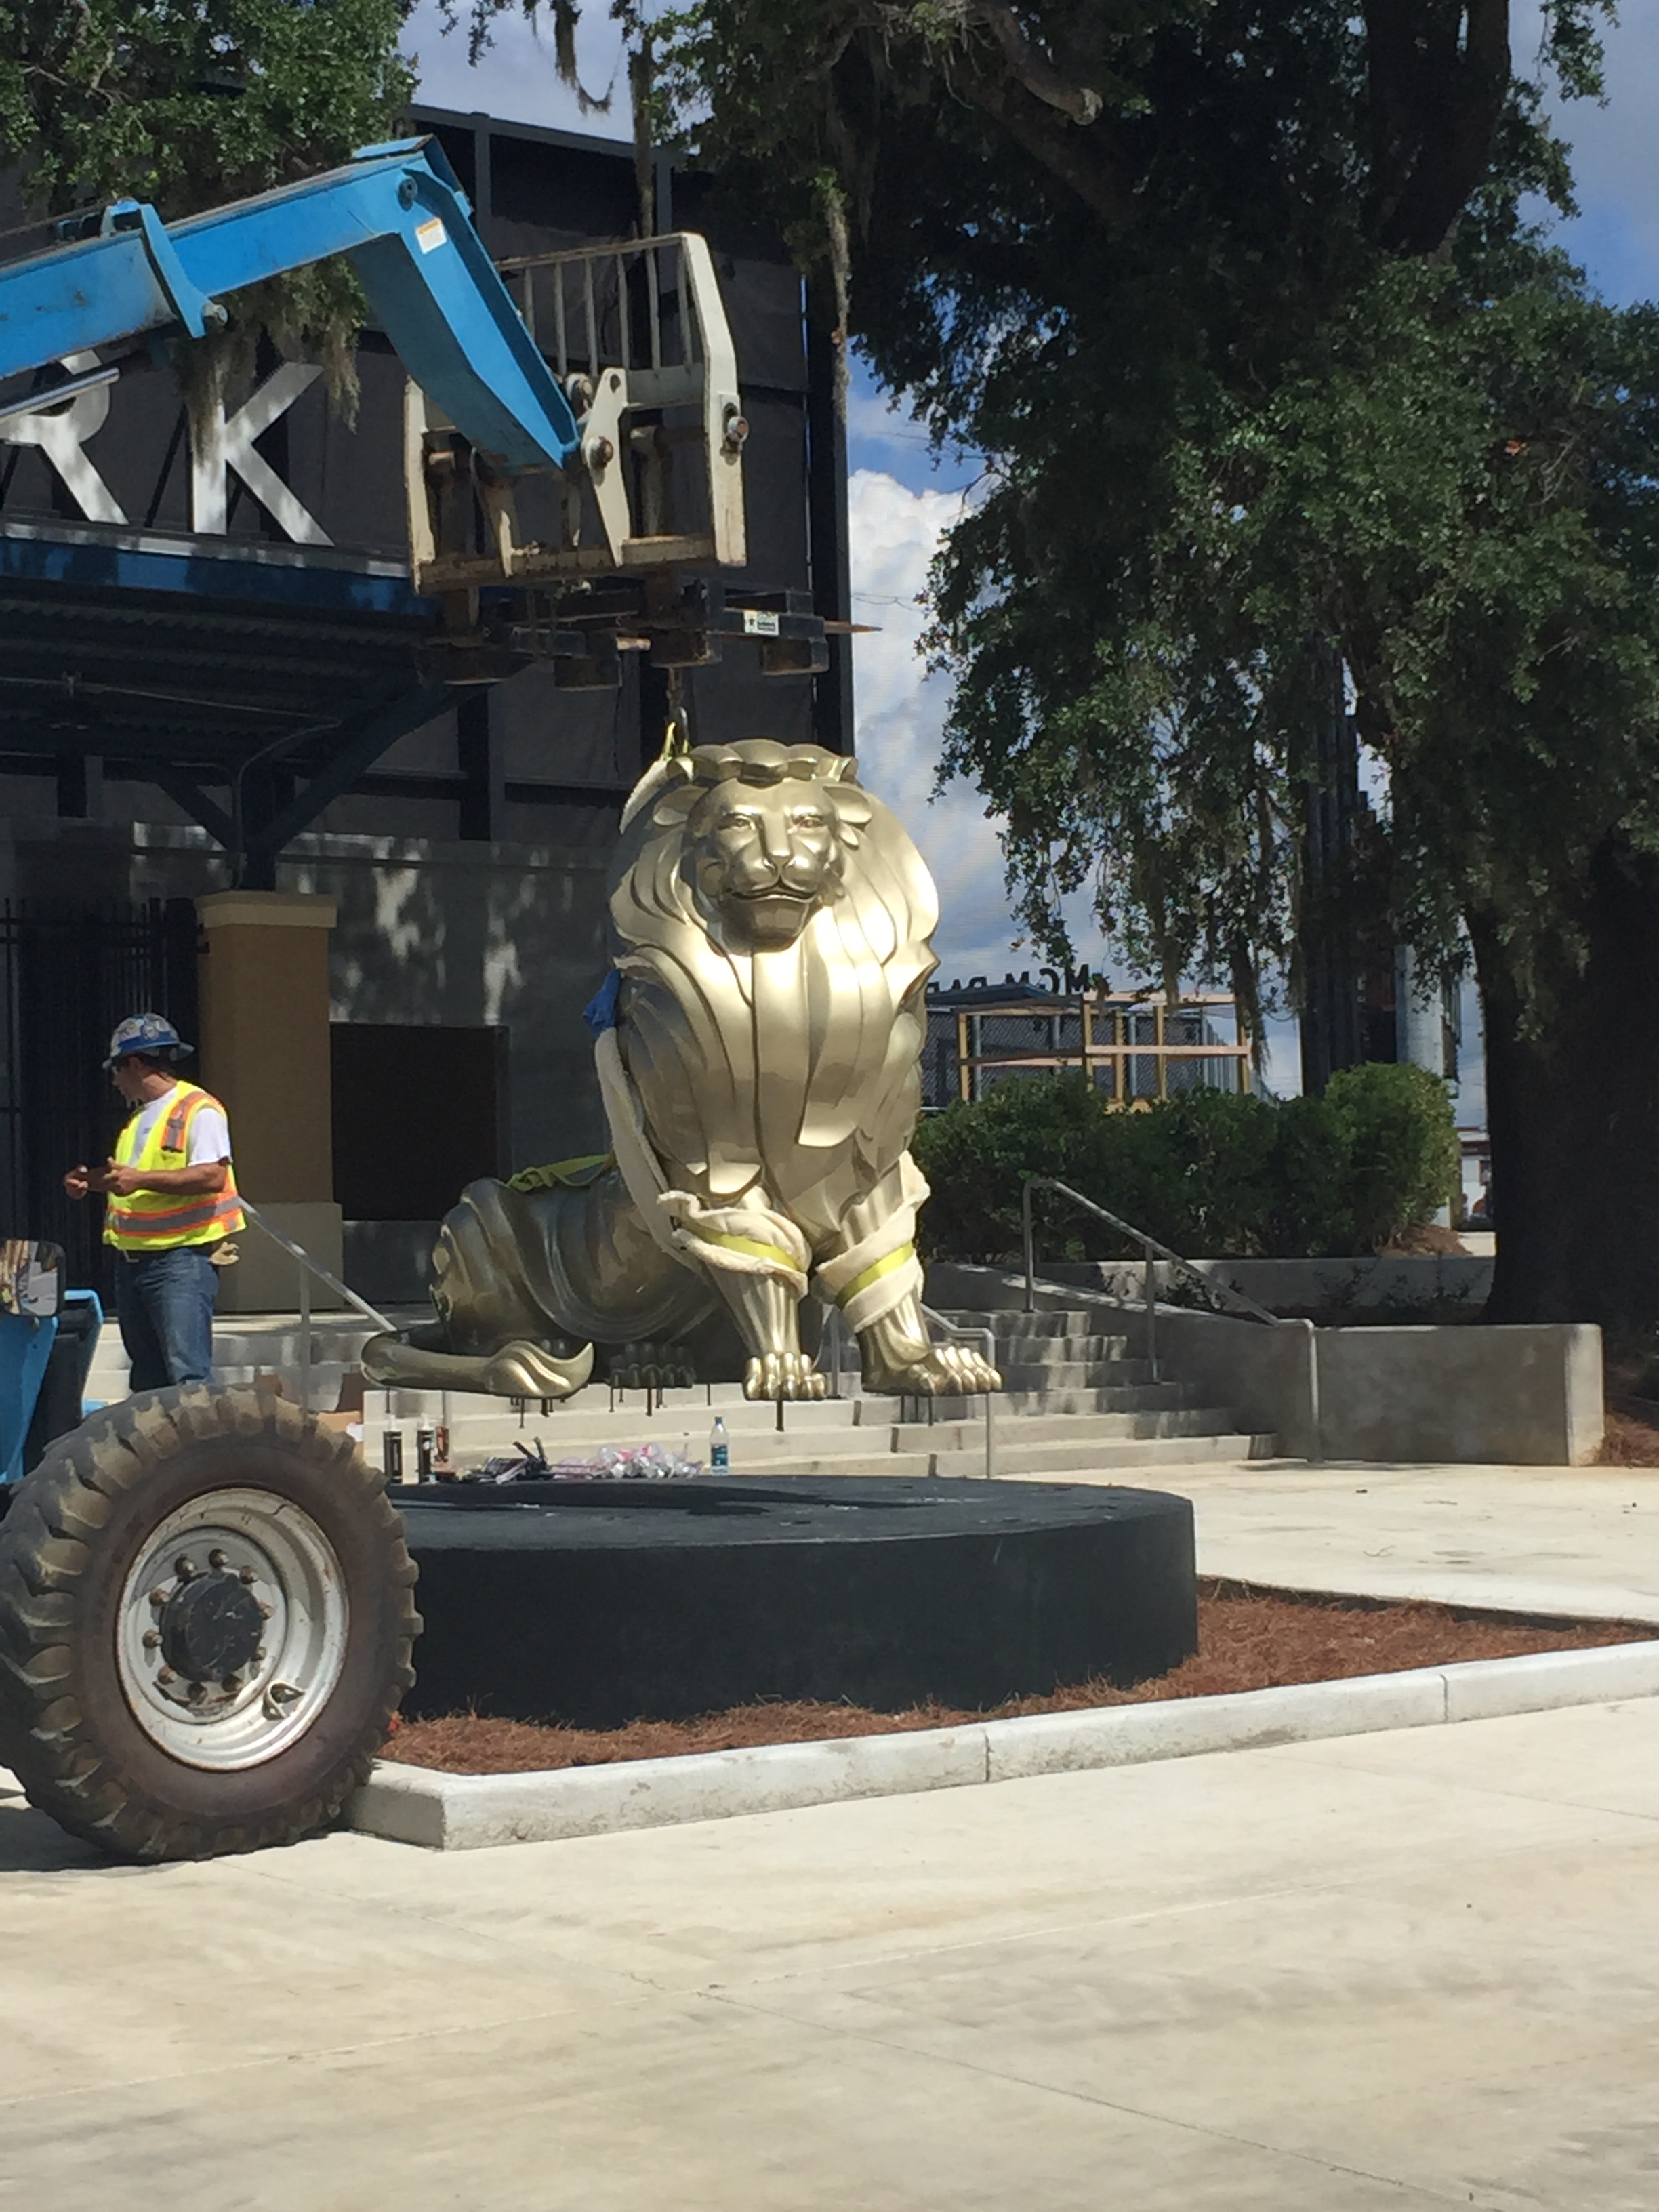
<point x="1093" y="2099"/>
<point x="464" y="1812"/>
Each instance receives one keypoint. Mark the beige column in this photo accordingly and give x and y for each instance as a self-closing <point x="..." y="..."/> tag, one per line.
<point x="265" y="1052"/>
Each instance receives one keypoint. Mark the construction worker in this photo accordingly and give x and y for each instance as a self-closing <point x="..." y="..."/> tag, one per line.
<point x="171" y="1198"/>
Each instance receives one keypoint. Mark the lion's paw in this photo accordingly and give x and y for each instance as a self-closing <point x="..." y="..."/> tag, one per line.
<point x="783" y="1375"/>
<point x="944" y="1370"/>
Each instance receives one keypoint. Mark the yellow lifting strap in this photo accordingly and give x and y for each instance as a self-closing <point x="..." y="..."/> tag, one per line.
<point x="754" y="1248"/>
<point x="874" y="1272"/>
<point x="564" y="1175"/>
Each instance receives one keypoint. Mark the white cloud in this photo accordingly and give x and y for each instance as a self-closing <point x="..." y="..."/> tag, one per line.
<point x="517" y="81"/>
<point x="1615" y="154"/>
<point x="901" y="718"/>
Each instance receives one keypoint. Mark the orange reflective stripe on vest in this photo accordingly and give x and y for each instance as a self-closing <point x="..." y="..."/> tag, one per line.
<point x="155" y="1221"/>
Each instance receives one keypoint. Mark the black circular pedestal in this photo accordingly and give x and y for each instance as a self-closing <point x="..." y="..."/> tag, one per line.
<point x="598" y="1604"/>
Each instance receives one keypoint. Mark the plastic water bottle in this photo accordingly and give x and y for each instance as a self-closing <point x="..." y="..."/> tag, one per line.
<point x="720" y="1448"/>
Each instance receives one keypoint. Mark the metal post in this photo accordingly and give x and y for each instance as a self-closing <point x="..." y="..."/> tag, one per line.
<point x="1149" y="1294"/>
<point x="305" y="1336"/>
<point x="1029" y="1239"/>
<point x="1317" y="1455"/>
<point x="988" y="1337"/>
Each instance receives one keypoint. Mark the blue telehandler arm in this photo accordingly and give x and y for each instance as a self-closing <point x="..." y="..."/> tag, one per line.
<point x="398" y="215"/>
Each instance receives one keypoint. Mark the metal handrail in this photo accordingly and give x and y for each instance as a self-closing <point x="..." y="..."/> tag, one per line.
<point x="1150" y="1247"/>
<point x="1148" y="1243"/>
<point x="989" y="1344"/>
<point x="309" y="1266"/>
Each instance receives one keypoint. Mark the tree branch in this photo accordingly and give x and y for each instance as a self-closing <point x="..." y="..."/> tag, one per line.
<point x="1439" y="74"/>
<point x="1085" y="161"/>
<point x="1033" y="67"/>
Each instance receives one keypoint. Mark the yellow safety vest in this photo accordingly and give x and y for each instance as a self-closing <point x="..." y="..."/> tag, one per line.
<point x="156" y="1220"/>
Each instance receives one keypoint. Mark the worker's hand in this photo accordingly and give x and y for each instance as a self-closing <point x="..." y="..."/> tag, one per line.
<point x="78" y="1182"/>
<point x="117" y="1181"/>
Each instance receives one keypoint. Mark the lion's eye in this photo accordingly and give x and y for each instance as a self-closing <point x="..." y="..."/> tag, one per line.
<point x="805" y="818"/>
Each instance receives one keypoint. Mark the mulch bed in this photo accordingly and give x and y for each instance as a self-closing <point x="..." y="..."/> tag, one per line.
<point x="1248" y="1640"/>
<point x="1632" y="1436"/>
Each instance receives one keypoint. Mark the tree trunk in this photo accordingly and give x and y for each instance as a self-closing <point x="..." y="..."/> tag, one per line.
<point x="1574" y="1116"/>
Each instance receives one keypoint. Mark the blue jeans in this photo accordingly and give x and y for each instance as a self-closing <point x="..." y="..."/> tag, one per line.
<point x="164" y="1301"/>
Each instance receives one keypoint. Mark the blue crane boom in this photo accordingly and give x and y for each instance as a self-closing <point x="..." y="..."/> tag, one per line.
<point x="398" y="216"/>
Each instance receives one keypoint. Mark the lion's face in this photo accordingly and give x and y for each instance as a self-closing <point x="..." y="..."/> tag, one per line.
<point x="764" y="858"/>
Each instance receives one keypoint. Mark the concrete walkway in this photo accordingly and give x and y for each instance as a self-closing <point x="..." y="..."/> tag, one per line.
<point x="1395" y="1972"/>
<point x="1570" y="1540"/>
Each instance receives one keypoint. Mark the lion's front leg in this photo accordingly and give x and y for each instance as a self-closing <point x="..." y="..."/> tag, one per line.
<point x="767" y="1316"/>
<point x="900" y="1359"/>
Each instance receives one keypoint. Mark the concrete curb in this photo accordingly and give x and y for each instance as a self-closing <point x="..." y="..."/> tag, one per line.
<point x="466" y="1812"/>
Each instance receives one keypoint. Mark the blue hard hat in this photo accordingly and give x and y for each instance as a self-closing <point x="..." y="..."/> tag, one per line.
<point x="151" y="1033"/>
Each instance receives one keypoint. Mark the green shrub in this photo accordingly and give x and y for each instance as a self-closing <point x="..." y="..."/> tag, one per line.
<point x="1307" y="1215"/>
<point x="1402" y="1147"/>
<point x="1210" y="1173"/>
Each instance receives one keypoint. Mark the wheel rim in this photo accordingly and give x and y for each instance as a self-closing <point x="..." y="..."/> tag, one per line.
<point x="231" y="1631"/>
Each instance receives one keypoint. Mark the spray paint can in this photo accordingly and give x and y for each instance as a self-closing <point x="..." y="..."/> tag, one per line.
<point x="391" y="1455"/>
<point x="426" y="1441"/>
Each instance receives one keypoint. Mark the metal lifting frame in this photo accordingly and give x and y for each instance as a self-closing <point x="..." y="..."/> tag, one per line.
<point x="638" y="339"/>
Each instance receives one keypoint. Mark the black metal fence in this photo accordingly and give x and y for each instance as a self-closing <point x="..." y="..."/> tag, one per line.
<point x="67" y="975"/>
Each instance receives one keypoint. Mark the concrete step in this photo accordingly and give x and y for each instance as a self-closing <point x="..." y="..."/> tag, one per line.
<point x="1065" y="1462"/>
<point x="1021" y="1402"/>
<point x="590" y="1413"/>
<point x="916" y="1466"/>
<point x="1178" y="1421"/>
<point x="960" y="1432"/>
<point x="1068" y="1351"/>
<point x="1039" y="1327"/>
<point x="1078" y="1375"/>
<point x="477" y="1439"/>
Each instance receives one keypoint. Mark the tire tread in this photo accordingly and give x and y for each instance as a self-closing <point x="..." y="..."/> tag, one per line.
<point x="47" y="1542"/>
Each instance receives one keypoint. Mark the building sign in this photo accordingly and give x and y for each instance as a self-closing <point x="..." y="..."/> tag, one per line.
<point x="220" y="446"/>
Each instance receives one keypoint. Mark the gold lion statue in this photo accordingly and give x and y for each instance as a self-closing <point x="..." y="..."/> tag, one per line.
<point x="758" y="1048"/>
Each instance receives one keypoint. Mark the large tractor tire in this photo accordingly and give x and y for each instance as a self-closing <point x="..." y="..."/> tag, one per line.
<point x="206" y="1618"/>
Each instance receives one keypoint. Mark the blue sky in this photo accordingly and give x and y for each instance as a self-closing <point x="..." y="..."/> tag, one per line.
<point x="902" y="498"/>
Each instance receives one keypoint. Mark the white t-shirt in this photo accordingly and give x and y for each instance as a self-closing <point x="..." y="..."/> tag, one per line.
<point x="210" y="1132"/>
